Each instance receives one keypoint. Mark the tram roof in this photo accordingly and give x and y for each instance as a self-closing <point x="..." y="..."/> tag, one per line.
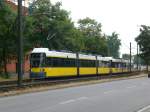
<point x="54" y="53"/>
<point x="65" y="54"/>
<point x="62" y="54"/>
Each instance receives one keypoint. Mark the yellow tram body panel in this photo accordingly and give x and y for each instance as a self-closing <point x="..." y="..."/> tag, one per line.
<point x="125" y="70"/>
<point x="120" y="70"/>
<point x="103" y="70"/>
<point x="116" y="70"/>
<point x="87" y="70"/>
<point x="72" y="71"/>
<point x="57" y="71"/>
<point x="61" y="71"/>
<point x="35" y="70"/>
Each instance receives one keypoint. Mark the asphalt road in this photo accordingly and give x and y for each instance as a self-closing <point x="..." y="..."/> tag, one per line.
<point x="131" y="95"/>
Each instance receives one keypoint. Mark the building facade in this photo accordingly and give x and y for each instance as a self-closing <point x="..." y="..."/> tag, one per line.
<point x="25" y="3"/>
<point x="14" y="5"/>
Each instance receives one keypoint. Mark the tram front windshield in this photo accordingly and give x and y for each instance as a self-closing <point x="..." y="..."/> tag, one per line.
<point x="37" y="60"/>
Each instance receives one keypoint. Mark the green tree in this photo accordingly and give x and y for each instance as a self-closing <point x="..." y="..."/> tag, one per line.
<point x="143" y="39"/>
<point x="52" y="27"/>
<point x="90" y="27"/>
<point x="7" y="34"/>
<point x="94" y="41"/>
<point x="126" y="56"/>
<point x="113" y="45"/>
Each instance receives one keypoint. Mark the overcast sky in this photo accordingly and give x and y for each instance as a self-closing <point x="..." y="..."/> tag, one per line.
<point x="121" y="16"/>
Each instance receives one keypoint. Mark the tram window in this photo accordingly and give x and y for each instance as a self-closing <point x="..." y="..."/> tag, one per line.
<point x="68" y="62"/>
<point x="36" y="55"/>
<point x="49" y="62"/>
<point x="56" y="62"/>
<point x="87" y="63"/>
<point x="61" y="62"/>
<point x="105" y="64"/>
<point x="120" y="65"/>
<point x="35" y="63"/>
<point x="116" y="65"/>
<point x="37" y="60"/>
<point x="100" y="64"/>
<point x="124" y="65"/>
<point x="113" y="64"/>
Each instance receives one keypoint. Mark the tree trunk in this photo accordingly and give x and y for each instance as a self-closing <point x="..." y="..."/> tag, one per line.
<point x="5" y="59"/>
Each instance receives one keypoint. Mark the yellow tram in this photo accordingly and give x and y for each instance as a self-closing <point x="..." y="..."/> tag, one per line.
<point x="47" y="64"/>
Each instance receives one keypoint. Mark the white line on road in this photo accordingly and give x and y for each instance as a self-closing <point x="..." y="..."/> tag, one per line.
<point x="131" y="87"/>
<point x="82" y="98"/>
<point x="68" y="101"/>
<point x="108" y="92"/>
<point x="143" y="109"/>
<point x="73" y="100"/>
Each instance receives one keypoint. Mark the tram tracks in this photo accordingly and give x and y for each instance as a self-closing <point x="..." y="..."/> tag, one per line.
<point x="11" y="85"/>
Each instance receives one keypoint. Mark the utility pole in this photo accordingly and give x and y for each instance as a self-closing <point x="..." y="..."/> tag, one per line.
<point x="137" y="56"/>
<point x="20" y="43"/>
<point x="77" y="64"/>
<point x="108" y="51"/>
<point x="130" y="57"/>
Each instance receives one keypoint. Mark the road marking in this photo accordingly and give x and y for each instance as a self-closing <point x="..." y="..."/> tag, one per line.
<point x="82" y="98"/>
<point x="131" y="87"/>
<point x="108" y="92"/>
<point x="143" y="109"/>
<point x="74" y="100"/>
<point x="68" y="101"/>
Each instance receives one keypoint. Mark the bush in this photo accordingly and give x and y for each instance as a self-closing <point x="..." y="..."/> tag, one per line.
<point x="5" y="76"/>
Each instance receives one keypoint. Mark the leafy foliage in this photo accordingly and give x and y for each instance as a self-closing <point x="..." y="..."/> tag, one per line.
<point x="55" y="29"/>
<point x="7" y="34"/>
<point x="126" y="56"/>
<point x="113" y="45"/>
<point x="94" y="41"/>
<point x="143" y="40"/>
